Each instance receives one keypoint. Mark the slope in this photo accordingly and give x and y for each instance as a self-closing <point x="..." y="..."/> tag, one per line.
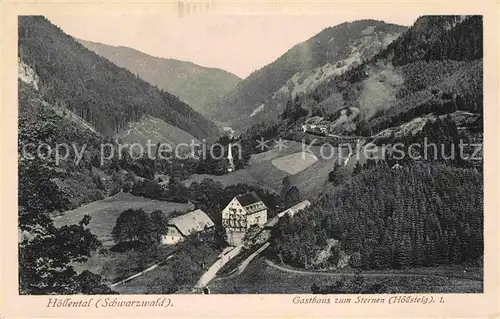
<point x="154" y="130"/>
<point x="420" y="215"/>
<point x="41" y="123"/>
<point x="196" y="85"/>
<point x="103" y="94"/>
<point x="332" y="51"/>
<point x="436" y="66"/>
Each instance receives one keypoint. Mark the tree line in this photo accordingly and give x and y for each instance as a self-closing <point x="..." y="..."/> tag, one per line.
<point x="47" y="253"/>
<point x="208" y="195"/>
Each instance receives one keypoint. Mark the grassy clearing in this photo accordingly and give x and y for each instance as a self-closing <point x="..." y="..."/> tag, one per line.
<point x="290" y="147"/>
<point x="312" y="180"/>
<point x="295" y="163"/>
<point x="155" y="130"/>
<point x="262" y="278"/>
<point x="105" y="212"/>
<point x="115" y="266"/>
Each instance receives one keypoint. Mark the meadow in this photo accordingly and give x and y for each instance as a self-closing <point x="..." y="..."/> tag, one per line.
<point x="267" y="169"/>
<point x="114" y="265"/>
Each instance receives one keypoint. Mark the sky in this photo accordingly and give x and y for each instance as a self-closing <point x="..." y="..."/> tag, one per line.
<point x="239" y="44"/>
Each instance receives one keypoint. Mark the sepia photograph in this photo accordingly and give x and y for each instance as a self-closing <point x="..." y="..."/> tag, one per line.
<point x="323" y="155"/>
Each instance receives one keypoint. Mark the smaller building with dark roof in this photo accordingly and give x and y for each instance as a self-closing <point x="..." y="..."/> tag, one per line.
<point x="182" y="226"/>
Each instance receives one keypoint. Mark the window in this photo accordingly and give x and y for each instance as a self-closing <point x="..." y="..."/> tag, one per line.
<point x="257" y="219"/>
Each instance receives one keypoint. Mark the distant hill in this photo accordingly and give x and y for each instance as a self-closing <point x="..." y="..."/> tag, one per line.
<point x="106" y="96"/>
<point x="196" y="85"/>
<point x="438" y="38"/>
<point x="262" y="95"/>
<point x="434" y="67"/>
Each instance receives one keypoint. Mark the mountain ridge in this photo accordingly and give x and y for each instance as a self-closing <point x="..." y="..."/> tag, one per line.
<point x="347" y="43"/>
<point x="104" y="94"/>
<point x="415" y="75"/>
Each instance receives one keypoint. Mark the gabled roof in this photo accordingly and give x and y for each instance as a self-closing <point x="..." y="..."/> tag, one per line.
<point x="248" y="199"/>
<point x="191" y="222"/>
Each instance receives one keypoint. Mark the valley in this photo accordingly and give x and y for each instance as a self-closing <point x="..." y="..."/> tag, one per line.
<point x="272" y="201"/>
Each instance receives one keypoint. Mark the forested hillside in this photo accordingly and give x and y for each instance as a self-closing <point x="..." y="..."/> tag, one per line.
<point x="460" y="88"/>
<point x="438" y="38"/>
<point x="424" y="212"/>
<point x="412" y="97"/>
<point x="331" y="51"/>
<point x="436" y="66"/>
<point x="103" y="94"/>
<point x="196" y="85"/>
<point x="47" y="253"/>
<point x="42" y="123"/>
<point x="420" y="215"/>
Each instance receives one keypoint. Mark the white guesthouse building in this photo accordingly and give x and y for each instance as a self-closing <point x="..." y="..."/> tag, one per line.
<point x="242" y="212"/>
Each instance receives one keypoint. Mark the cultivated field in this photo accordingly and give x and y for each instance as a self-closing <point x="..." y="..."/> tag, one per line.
<point x="268" y="169"/>
<point x="104" y="212"/>
<point x="295" y="163"/>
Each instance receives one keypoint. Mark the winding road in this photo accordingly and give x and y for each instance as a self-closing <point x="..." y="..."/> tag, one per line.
<point x="378" y="274"/>
<point x="241" y="268"/>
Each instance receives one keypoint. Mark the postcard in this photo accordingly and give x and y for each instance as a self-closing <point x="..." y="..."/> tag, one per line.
<point x="206" y="159"/>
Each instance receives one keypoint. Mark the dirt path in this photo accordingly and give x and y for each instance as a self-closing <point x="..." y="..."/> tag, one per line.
<point x="216" y="266"/>
<point x="378" y="274"/>
<point x="210" y="274"/>
<point x="140" y="273"/>
<point x="241" y="268"/>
